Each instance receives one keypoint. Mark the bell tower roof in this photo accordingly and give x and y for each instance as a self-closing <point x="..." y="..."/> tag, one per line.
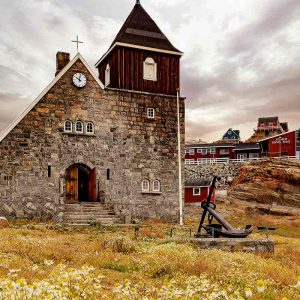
<point x="140" y="31"/>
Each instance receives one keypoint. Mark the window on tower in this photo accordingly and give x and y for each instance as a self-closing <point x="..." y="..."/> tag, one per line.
<point x="107" y="75"/>
<point x="150" y="69"/>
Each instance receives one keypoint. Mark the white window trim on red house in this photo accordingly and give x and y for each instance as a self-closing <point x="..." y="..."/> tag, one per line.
<point x="194" y="191"/>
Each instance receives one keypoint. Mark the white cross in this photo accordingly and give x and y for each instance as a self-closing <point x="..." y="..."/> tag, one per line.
<point x="77" y="42"/>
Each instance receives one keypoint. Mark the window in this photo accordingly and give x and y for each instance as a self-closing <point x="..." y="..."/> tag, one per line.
<point x="204" y="151"/>
<point x="79" y="127"/>
<point x="199" y="151"/>
<point x="150" y="69"/>
<point x="89" y="128"/>
<point x="212" y="151"/>
<point x="68" y="126"/>
<point x="191" y="151"/>
<point x="107" y="75"/>
<point x="145" y="186"/>
<point x="196" y="191"/>
<point x="224" y="151"/>
<point x="151" y="113"/>
<point x="156" y="186"/>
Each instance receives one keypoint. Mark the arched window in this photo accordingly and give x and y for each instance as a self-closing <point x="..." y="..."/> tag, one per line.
<point x="68" y="127"/>
<point x="150" y="69"/>
<point x="156" y="186"/>
<point x="107" y="75"/>
<point x="145" y="186"/>
<point x="79" y="127"/>
<point x="89" y="128"/>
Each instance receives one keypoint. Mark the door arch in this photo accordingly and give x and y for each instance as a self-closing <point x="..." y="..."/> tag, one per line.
<point x="80" y="184"/>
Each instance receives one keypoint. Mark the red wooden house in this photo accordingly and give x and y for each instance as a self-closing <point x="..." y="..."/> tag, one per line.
<point x="197" y="152"/>
<point x="197" y="190"/>
<point x="285" y="144"/>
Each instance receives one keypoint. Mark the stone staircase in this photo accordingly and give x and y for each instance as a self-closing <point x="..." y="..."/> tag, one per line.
<point x="85" y="213"/>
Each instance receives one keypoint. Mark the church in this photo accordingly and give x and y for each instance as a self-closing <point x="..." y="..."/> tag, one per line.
<point x="100" y="144"/>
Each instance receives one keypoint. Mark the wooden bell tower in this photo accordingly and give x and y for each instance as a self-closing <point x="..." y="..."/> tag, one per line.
<point x="141" y="58"/>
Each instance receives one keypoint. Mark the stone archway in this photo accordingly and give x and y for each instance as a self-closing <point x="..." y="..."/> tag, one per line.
<point x="80" y="184"/>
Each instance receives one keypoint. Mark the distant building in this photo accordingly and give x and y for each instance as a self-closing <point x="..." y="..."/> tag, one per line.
<point x="247" y="151"/>
<point x="267" y="127"/>
<point x="207" y="152"/>
<point x="285" y="144"/>
<point x="197" y="190"/>
<point x="231" y="136"/>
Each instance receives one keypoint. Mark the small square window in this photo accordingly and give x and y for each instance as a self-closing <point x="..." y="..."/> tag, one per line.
<point x="191" y="151"/>
<point x="199" y="151"/>
<point x="204" y="151"/>
<point x="151" y="113"/>
<point x="196" y="191"/>
<point x="213" y="151"/>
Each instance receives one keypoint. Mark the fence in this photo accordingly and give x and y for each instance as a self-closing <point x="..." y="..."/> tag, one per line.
<point x="215" y="161"/>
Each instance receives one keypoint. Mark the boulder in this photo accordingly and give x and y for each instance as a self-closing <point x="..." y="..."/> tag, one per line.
<point x="3" y="222"/>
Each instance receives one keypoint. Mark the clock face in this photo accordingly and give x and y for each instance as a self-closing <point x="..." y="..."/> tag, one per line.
<point x="79" y="80"/>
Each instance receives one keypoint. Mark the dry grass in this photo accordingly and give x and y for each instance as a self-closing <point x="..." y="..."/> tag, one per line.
<point x="118" y="256"/>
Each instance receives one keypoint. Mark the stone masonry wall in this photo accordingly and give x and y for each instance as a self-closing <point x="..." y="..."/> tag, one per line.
<point x="227" y="172"/>
<point x="126" y="142"/>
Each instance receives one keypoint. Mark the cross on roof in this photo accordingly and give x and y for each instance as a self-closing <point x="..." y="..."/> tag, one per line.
<point x="77" y="42"/>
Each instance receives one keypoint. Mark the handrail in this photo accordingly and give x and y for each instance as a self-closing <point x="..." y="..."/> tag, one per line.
<point x="213" y="161"/>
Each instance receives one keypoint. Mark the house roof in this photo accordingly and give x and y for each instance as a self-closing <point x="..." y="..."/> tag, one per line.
<point x="275" y="136"/>
<point x="140" y="31"/>
<point x="247" y="146"/>
<point x="46" y="90"/>
<point x="197" y="182"/>
<point x="212" y="145"/>
<point x="268" y="119"/>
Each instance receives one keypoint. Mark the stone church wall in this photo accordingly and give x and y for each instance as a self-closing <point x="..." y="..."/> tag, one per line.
<point x="127" y="143"/>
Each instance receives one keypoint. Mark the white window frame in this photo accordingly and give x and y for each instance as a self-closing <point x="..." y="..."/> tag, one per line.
<point x="147" y="187"/>
<point x="156" y="189"/>
<point x="194" y="191"/>
<point x="77" y="131"/>
<point x="107" y="75"/>
<point x="150" y="63"/>
<point x="65" y="130"/>
<point x="86" y="128"/>
<point x="199" y="151"/>
<point x="191" y="151"/>
<point x="150" y="113"/>
<point x="212" y="151"/>
<point x="204" y="151"/>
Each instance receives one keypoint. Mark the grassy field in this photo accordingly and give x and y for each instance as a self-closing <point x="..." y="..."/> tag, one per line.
<point x="43" y="261"/>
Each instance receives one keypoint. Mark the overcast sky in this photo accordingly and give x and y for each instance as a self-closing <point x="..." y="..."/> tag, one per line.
<point x="241" y="57"/>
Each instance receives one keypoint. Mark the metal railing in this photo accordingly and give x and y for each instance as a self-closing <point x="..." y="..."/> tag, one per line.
<point x="215" y="161"/>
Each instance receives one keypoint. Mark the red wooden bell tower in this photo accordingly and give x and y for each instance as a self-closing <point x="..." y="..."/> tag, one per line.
<point x="141" y="58"/>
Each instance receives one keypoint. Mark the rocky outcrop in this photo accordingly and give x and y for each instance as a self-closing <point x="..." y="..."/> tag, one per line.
<point x="270" y="182"/>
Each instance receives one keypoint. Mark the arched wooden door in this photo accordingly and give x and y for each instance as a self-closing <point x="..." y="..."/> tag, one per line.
<point x="81" y="182"/>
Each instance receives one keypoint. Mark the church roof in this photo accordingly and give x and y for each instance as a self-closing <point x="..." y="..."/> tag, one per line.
<point x="46" y="90"/>
<point x="140" y="31"/>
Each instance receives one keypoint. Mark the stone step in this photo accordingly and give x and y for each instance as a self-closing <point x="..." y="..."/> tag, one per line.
<point x="101" y="221"/>
<point x="89" y="217"/>
<point x="78" y="213"/>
